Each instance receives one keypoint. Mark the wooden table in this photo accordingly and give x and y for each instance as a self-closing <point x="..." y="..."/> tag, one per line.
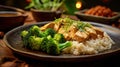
<point x="7" y="57"/>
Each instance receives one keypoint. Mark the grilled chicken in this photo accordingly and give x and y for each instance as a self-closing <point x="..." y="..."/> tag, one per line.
<point x="57" y="26"/>
<point x="65" y="33"/>
<point x="98" y="31"/>
<point x="91" y="32"/>
<point x="80" y="36"/>
<point x="49" y="25"/>
<point x="73" y="33"/>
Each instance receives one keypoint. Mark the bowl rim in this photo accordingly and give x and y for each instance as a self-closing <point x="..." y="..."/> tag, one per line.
<point x="46" y="11"/>
<point x="17" y="10"/>
<point x="102" y="17"/>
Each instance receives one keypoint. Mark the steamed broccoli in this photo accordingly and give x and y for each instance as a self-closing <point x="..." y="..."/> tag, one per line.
<point x="49" y="37"/>
<point x="48" y="41"/>
<point x="35" y="42"/>
<point x="25" y="35"/>
<point x="54" y="48"/>
<point x="44" y="44"/>
<point x="49" y="31"/>
<point x="35" y="31"/>
<point x="64" y="45"/>
<point x="59" y="37"/>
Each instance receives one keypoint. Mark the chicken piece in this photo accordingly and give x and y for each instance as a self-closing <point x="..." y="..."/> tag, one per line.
<point x="65" y="33"/>
<point x="72" y="31"/>
<point x="67" y="36"/>
<point x="80" y="36"/>
<point x="98" y="31"/>
<point x="57" y="26"/>
<point x="61" y="30"/>
<point x="49" y="25"/>
<point x="91" y="32"/>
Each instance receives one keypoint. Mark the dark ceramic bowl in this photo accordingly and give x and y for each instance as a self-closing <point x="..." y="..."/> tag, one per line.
<point x="11" y="17"/>
<point x="106" y="20"/>
<point x="45" y="15"/>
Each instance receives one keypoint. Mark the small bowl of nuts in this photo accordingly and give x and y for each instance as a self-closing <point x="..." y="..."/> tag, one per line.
<point x="99" y="14"/>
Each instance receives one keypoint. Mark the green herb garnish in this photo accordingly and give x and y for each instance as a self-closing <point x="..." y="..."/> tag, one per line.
<point x="67" y="22"/>
<point x="81" y="25"/>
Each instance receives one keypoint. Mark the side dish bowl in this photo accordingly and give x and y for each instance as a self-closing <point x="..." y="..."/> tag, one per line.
<point x="40" y="16"/>
<point x="11" y="17"/>
<point x="100" y="19"/>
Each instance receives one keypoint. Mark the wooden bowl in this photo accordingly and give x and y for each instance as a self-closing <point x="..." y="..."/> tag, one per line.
<point x="11" y="17"/>
<point x="45" y="15"/>
<point x="100" y="19"/>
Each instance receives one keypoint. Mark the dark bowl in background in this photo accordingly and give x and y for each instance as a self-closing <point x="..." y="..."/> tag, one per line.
<point x="11" y="17"/>
<point x="40" y="16"/>
<point x="105" y="20"/>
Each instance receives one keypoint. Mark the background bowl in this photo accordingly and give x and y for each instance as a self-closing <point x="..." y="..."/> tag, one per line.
<point x="45" y="15"/>
<point x="100" y="19"/>
<point x="11" y="17"/>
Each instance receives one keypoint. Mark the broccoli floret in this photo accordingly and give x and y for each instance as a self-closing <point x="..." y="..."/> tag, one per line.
<point x="35" y="42"/>
<point x="49" y="31"/>
<point x="25" y="35"/>
<point x="54" y="48"/>
<point x="59" y="37"/>
<point x="49" y="37"/>
<point x="35" y="31"/>
<point x="43" y="46"/>
<point x="64" y="45"/>
<point x="32" y="30"/>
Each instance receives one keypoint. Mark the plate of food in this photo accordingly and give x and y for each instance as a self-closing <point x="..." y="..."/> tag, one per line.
<point x="64" y="40"/>
<point x="98" y="13"/>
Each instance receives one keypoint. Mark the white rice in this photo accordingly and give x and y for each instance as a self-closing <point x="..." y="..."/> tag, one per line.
<point x="90" y="47"/>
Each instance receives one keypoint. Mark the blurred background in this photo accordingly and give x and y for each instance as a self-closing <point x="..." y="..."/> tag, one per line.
<point x="112" y="4"/>
<point x="69" y="7"/>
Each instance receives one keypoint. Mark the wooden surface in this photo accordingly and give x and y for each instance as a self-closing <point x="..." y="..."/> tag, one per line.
<point x="8" y="58"/>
